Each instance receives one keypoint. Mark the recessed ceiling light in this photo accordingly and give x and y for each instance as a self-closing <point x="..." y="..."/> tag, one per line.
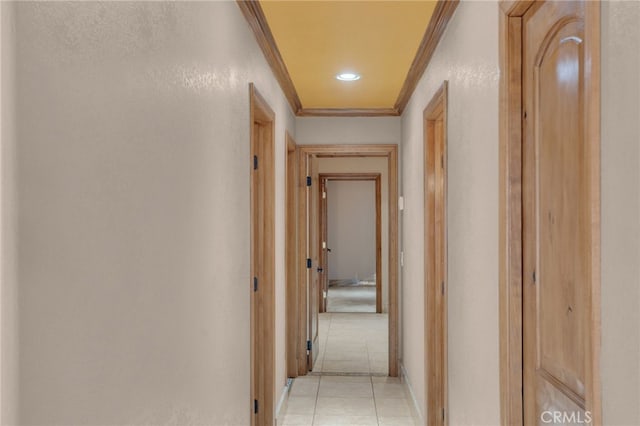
<point x="348" y="76"/>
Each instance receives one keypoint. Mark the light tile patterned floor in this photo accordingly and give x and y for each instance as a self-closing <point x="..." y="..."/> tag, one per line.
<point x="347" y="400"/>
<point x="351" y="298"/>
<point x="353" y="343"/>
<point x="353" y="347"/>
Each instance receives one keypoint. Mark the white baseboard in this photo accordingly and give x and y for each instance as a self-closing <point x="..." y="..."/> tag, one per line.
<point x="281" y="408"/>
<point x="415" y="408"/>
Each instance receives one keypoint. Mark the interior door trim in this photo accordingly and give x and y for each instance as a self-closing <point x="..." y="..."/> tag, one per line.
<point x="291" y="267"/>
<point x="390" y="151"/>
<point x="435" y="295"/>
<point x="375" y="177"/>
<point x="261" y="286"/>
<point x="510" y="208"/>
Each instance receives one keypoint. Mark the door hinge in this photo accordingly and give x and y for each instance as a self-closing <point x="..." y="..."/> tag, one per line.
<point x="443" y="414"/>
<point x="309" y="345"/>
<point x="308" y="263"/>
<point x="442" y="287"/>
<point x="255" y="406"/>
<point x="308" y="180"/>
<point x="255" y="283"/>
<point x="442" y="161"/>
<point x="255" y="162"/>
<point x="534" y="276"/>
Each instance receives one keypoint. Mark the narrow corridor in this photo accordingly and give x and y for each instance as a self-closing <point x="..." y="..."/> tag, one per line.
<point x="347" y="400"/>
<point x="353" y="343"/>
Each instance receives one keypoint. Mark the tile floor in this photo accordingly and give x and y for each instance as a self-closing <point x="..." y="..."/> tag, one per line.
<point x="354" y="343"/>
<point x="351" y="298"/>
<point x="347" y="400"/>
<point x="349" y="383"/>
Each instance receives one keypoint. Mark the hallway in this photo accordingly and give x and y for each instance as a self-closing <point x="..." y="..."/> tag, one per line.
<point x="137" y="254"/>
<point x="351" y="298"/>
<point x="347" y="400"/>
<point x="354" y="343"/>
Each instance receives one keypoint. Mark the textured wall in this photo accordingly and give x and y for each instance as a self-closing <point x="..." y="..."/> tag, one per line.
<point x="467" y="56"/>
<point x="133" y="195"/>
<point x="351" y="219"/>
<point x="347" y="130"/>
<point x="368" y="165"/>
<point x="9" y="289"/>
<point x="620" y="363"/>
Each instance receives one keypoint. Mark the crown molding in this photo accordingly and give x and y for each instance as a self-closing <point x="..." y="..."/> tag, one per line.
<point x="348" y="112"/>
<point x="437" y="25"/>
<point x="254" y="15"/>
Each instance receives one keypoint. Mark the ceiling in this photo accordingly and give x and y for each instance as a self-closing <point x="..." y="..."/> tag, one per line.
<point x="387" y="43"/>
<point x="376" y="39"/>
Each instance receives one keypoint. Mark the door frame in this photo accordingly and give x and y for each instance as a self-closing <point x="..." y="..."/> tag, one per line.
<point x="390" y="152"/>
<point x="291" y="263"/>
<point x="262" y="278"/>
<point x="358" y="177"/>
<point x="435" y="300"/>
<point x="510" y="209"/>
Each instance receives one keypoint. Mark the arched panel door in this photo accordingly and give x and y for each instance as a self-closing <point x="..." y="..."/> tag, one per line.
<point x="556" y="212"/>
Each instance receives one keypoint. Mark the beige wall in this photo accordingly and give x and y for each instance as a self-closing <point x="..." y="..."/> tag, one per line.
<point x="620" y="363"/>
<point x="347" y="130"/>
<point x="467" y="56"/>
<point x="351" y="220"/>
<point x="132" y="188"/>
<point x="368" y="165"/>
<point x="9" y="289"/>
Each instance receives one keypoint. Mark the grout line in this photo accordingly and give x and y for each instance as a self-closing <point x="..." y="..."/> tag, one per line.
<point x="375" y="405"/>
<point x="315" y="406"/>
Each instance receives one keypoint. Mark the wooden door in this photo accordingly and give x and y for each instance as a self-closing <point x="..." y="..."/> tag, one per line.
<point x="323" y="250"/>
<point x="262" y="281"/>
<point x="313" y="258"/>
<point x="436" y="258"/>
<point x="556" y="216"/>
<point x="291" y="261"/>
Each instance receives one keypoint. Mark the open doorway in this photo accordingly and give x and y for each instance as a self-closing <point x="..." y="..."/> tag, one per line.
<point x="346" y="343"/>
<point x="351" y="235"/>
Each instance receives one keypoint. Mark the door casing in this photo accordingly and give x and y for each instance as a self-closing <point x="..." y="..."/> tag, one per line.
<point x="291" y="261"/>
<point x="375" y="177"/>
<point x="510" y="208"/>
<point x="391" y="153"/>
<point x="435" y="261"/>
<point x="262" y="260"/>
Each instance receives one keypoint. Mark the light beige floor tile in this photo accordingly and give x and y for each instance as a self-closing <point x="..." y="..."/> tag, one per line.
<point x="345" y="366"/>
<point x="377" y="345"/>
<point x="308" y="388"/>
<point x="307" y="379"/>
<point x="386" y="380"/>
<point x="379" y="367"/>
<point x="347" y="355"/>
<point x="388" y="390"/>
<point x="345" y="421"/>
<point x="392" y="407"/>
<point x="345" y="389"/>
<point x="334" y="346"/>
<point x="383" y="358"/>
<point x="301" y="405"/>
<point x="395" y="421"/>
<point x="345" y="407"/>
<point x="297" y="419"/>
<point x="345" y="379"/>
